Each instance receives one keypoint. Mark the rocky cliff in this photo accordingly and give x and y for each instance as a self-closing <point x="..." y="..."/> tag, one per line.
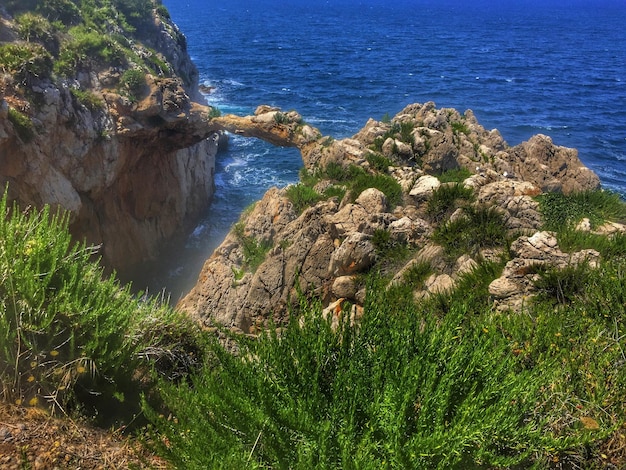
<point x="387" y="191"/>
<point x="105" y="128"/>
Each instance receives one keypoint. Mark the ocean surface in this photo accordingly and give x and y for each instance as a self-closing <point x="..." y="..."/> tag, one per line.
<point x="524" y="67"/>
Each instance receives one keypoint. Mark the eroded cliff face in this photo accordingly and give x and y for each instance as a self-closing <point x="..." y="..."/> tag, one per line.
<point x="132" y="172"/>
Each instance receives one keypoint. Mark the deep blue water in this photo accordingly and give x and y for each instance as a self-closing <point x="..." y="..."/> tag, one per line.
<point x="523" y="67"/>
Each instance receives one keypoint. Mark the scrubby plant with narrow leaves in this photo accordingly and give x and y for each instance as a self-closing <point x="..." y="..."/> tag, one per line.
<point x="430" y="385"/>
<point x="69" y="335"/>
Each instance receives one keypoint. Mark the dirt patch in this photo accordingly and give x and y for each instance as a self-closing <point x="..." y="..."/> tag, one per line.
<point x="31" y="438"/>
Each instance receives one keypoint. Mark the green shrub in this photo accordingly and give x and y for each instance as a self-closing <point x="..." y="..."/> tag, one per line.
<point x="384" y="183"/>
<point x="68" y="335"/>
<point x="87" y="98"/>
<point x="378" y="162"/>
<point x="459" y="127"/>
<point x="163" y="11"/>
<point x="214" y="112"/>
<point x="334" y="191"/>
<point x="410" y="388"/>
<point x="34" y="27"/>
<point x="562" y="285"/>
<point x="416" y="274"/>
<point x="87" y="47"/>
<point x="281" y="118"/>
<point x="133" y="82"/>
<point x="337" y="172"/>
<point x="254" y="251"/>
<point x="391" y="254"/>
<point x="25" y="62"/>
<point x="309" y="178"/>
<point x="611" y="246"/>
<point x="406" y="132"/>
<point x="560" y="211"/>
<point x="446" y="199"/>
<point x="22" y="125"/>
<point x="64" y="11"/>
<point x="137" y="12"/>
<point x="456" y="175"/>
<point x="302" y="196"/>
<point x="478" y="228"/>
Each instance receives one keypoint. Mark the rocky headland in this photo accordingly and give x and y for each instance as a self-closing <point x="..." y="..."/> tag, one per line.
<point x="324" y="249"/>
<point x="128" y="148"/>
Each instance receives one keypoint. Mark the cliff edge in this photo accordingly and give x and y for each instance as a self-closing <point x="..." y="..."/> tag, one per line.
<point x="100" y="115"/>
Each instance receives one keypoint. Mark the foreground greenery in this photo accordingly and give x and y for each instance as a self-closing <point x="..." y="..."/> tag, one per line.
<point x="441" y="383"/>
<point x="61" y="39"/>
<point x="436" y="385"/>
<point x="71" y="337"/>
<point x="444" y="383"/>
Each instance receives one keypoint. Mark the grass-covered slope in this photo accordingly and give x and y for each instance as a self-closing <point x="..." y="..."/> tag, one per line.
<point x="66" y="38"/>
<point x="446" y="382"/>
<point x="70" y="337"/>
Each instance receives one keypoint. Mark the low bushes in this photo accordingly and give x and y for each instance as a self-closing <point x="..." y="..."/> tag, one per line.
<point x="69" y="336"/>
<point x="560" y="211"/>
<point x="477" y="228"/>
<point x="441" y="385"/>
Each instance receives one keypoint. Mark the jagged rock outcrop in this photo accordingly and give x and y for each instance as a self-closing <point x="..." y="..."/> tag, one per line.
<point x="322" y="251"/>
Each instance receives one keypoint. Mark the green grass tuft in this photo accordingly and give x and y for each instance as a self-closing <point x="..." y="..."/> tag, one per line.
<point x="560" y="211"/>
<point x="478" y="228"/>
<point x="456" y="175"/>
<point x="254" y="251"/>
<point x="446" y="199"/>
<point x="22" y="125"/>
<point x="302" y="196"/>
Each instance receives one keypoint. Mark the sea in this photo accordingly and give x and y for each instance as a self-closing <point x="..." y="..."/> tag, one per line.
<point x="523" y="66"/>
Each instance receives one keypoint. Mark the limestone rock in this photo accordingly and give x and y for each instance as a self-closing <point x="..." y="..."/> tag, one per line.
<point x="372" y="200"/>
<point x="424" y="187"/>
<point x="516" y="198"/>
<point x="409" y="230"/>
<point x="439" y="284"/>
<point x="345" y="286"/>
<point x="515" y="287"/>
<point x="551" y="167"/>
<point x="355" y="254"/>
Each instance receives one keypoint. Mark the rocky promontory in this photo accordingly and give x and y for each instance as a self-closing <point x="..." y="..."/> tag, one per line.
<point x="115" y="132"/>
<point x="281" y="249"/>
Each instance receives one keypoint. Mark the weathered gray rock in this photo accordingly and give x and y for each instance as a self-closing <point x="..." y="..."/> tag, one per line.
<point x="516" y="286"/>
<point x="551" y="167"/>
<point x="516" y="198"/>
<point x="424" y="187"/>
<point x="345" y="287"/>
<point x="397" y="148"/>
<point x="372" y="200"/>
<point x="409" y="230"/>
<point x="439" y="283"/>
<point x="406" y="177"/>
<point x="355" y="254"/>
<point x="299" y="259"/>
